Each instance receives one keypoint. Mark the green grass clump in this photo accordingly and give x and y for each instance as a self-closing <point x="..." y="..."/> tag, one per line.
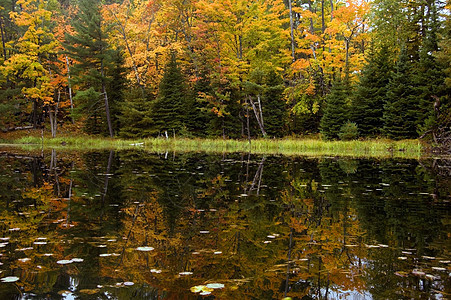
<point x="308" y="147"/>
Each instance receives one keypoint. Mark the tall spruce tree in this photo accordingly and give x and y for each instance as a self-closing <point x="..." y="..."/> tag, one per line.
<point x="401" y="108"/>
<point x="93" y="58"/>
<point x="336" y="110"/>
<point x="274" y="110"/>
<point x="171" y="109"/>
<point x="135" y="118"/>
<point x="371" y="92"/>
<point x="428" y="77"/>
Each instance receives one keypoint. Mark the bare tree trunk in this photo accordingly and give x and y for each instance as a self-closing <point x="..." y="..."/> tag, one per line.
<point x="125" y="38"/>
<point x="54" y="116"/>
<point x="258" y="114"/>
<point x="248" y="122"/>
<point x="107" y="107"/>
<point x="70" y="89"/>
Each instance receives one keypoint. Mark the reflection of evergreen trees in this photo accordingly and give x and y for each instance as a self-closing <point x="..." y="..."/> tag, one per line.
<point x="313" y="207"/>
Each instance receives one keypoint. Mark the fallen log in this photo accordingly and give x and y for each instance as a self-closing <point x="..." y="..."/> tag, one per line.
<point x="4" y="130"/>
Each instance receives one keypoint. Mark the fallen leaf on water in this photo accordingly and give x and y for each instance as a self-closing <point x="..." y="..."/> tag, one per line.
<point x="185" y="273"/>
<point x="64" y="293"/>
<point x="64" y="262"/>
<point x="89" y="291"/>
<point x="418" y="273"/>
<point x="401" y="274"/>
<point x="215" y="285"/>
<point x="430" y="277"/>
<point x="144" y="248"/>
<point x="10" y="279"/>
<point x="428" y="257"/>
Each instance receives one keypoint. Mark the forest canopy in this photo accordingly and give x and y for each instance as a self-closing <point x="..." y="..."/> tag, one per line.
<point x="228" y="68"/>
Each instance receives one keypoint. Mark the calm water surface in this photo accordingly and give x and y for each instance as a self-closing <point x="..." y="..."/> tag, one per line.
<point x="121" y="225"/>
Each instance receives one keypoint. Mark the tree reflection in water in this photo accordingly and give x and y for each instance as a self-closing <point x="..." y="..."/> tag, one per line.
<point x="231" y="226"/>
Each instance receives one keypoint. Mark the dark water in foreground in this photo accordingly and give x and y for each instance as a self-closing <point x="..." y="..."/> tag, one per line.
<point x="122" y="225"/>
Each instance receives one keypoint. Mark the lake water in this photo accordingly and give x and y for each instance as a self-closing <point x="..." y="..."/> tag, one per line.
<point x="132" y="224"/>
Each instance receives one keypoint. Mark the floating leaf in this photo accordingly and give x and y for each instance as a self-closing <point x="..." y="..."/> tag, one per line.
<point x="418" y="273"/>
<point x="428" y="257"/>
<point x="205" y="293"/>
<point x="65" y="293"/>
<point x="401" y="274"/>
<point x="64" y="262"/>
<point x="186" y="273"/>
<point x="89" y="291"/>
<point x="197" y="288"/>
<point x="144" y="248"/>
<point x="215" y="285"/>
<point x="10" y="279"/>
<point x="24" y="259"/>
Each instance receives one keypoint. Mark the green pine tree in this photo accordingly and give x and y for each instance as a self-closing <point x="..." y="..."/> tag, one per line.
<point x="94" y="58"/>
<point x="428" y="77"/>
<point x="401" y="108"/>
<point x="135" y="116"/>
<point x="171" y="108"/>
<point x="371" y="92"/>
<point x="274" y="110"/>
<point x="336" y="110"/>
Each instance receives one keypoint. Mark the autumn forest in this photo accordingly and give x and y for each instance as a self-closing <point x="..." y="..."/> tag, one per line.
<point x="227" y="68"/>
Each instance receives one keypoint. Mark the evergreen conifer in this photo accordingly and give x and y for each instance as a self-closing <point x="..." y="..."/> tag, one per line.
<point x="400" y="109"/>
<point x="170" y="109"/>
<point x="371" y="92"/>
<point x="274" y="109"/>
<point x="336" y="111"/>
<point x="89" y="48"/>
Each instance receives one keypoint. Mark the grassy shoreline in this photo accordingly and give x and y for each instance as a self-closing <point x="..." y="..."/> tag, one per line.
<point x="381" y="148"/>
